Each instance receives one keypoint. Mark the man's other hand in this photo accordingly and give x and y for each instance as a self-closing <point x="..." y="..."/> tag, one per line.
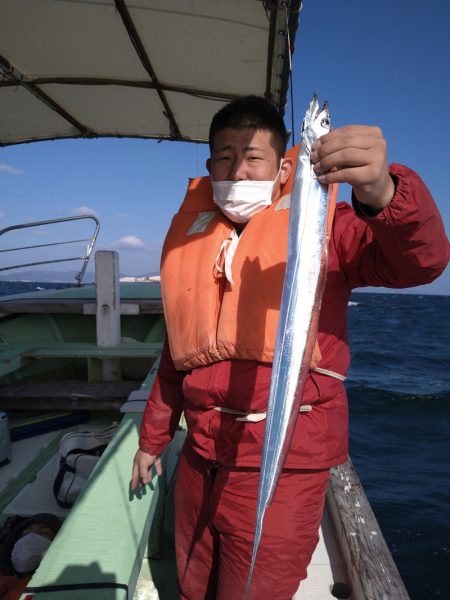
<point x="142" y="465"/>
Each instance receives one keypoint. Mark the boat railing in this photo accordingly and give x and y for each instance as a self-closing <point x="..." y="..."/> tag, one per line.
<point x="84" y="256"/>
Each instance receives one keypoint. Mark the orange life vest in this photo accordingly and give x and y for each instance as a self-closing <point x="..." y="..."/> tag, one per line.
<point x="208" y="318"/>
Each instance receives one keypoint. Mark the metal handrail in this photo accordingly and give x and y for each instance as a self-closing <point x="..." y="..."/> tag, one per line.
<point x="84" y="258"/>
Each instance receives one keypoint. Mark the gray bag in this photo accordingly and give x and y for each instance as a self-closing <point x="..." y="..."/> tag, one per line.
<point x="78" y="453"/>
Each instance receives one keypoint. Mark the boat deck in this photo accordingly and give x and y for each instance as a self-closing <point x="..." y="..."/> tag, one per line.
<point x="35" y="464"/>
<point x="351" y="550"/>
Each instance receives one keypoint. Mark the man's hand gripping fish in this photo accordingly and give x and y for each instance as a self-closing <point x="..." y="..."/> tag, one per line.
<point x="311" y="211"/>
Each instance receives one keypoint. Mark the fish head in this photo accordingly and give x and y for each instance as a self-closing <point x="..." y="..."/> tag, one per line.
<point x="322" y="123"/>
<point x="315" y="123"/>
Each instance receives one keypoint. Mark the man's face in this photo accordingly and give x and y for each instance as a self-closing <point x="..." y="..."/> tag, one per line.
<point x="246" y="154"/>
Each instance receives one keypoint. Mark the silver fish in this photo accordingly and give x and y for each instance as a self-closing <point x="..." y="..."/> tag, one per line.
<point x="300" y="305"/>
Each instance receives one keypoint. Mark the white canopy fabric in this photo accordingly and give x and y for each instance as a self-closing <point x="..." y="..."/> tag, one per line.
<point x="137" y="68"/>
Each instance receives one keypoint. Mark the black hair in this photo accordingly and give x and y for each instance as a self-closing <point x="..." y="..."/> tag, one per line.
<point x="254" y="112"/>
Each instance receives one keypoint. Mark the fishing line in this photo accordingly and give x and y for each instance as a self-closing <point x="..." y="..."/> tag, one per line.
<point x="196" y="160"/>
<point x="289" y="49"/>
<point x="292" y="110"/>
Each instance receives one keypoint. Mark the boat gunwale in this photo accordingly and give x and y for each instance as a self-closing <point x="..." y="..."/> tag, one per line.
<point x="372" y="572"/>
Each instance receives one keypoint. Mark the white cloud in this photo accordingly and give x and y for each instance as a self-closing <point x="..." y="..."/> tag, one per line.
<point x="10" y="170"/>
<point x="123" y="216"/>
<point x="129" y="242"/>
<point x="84" y="210"/>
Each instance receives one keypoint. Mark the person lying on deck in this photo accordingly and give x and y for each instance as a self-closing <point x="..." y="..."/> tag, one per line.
<point x="23" y="543"/>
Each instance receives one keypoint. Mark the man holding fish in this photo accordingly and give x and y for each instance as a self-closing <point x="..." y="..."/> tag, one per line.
<point x="222" y="274"/>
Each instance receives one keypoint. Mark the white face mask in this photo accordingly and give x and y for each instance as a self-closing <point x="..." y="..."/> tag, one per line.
<point x="28" y="552"/>
<point x="241" y="200"/>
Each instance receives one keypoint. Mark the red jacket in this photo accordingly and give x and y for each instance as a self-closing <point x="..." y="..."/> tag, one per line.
<point x="12" y="586"/>
<point x="404" y="245"/>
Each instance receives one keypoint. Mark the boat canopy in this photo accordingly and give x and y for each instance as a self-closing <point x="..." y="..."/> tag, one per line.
<point x="137" y="68"/>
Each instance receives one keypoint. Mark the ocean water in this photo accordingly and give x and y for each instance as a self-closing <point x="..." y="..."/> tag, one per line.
<point x="22" y="287"/>
<point x="399" y="397"/>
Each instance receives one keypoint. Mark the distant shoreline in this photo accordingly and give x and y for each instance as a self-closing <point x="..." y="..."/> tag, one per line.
<point x="149" y="279"/>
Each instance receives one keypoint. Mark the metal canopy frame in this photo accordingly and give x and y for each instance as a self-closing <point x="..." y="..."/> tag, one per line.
<point x="282" y="18"/>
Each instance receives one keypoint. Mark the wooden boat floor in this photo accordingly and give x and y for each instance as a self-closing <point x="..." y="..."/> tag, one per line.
<point x="326" y="567"/>
<point x="66" y="394"/>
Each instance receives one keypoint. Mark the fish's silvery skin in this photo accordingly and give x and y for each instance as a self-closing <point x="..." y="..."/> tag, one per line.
<point x="299" y="313"/>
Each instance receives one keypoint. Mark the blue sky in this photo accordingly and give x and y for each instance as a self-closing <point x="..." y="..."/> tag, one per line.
<point x="382" y="63"/>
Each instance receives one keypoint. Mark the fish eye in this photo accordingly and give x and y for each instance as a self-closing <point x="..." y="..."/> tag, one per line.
<point x="325" y="122"/>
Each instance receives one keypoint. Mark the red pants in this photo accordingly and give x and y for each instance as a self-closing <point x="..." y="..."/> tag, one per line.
<point x="215" y="514"/>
